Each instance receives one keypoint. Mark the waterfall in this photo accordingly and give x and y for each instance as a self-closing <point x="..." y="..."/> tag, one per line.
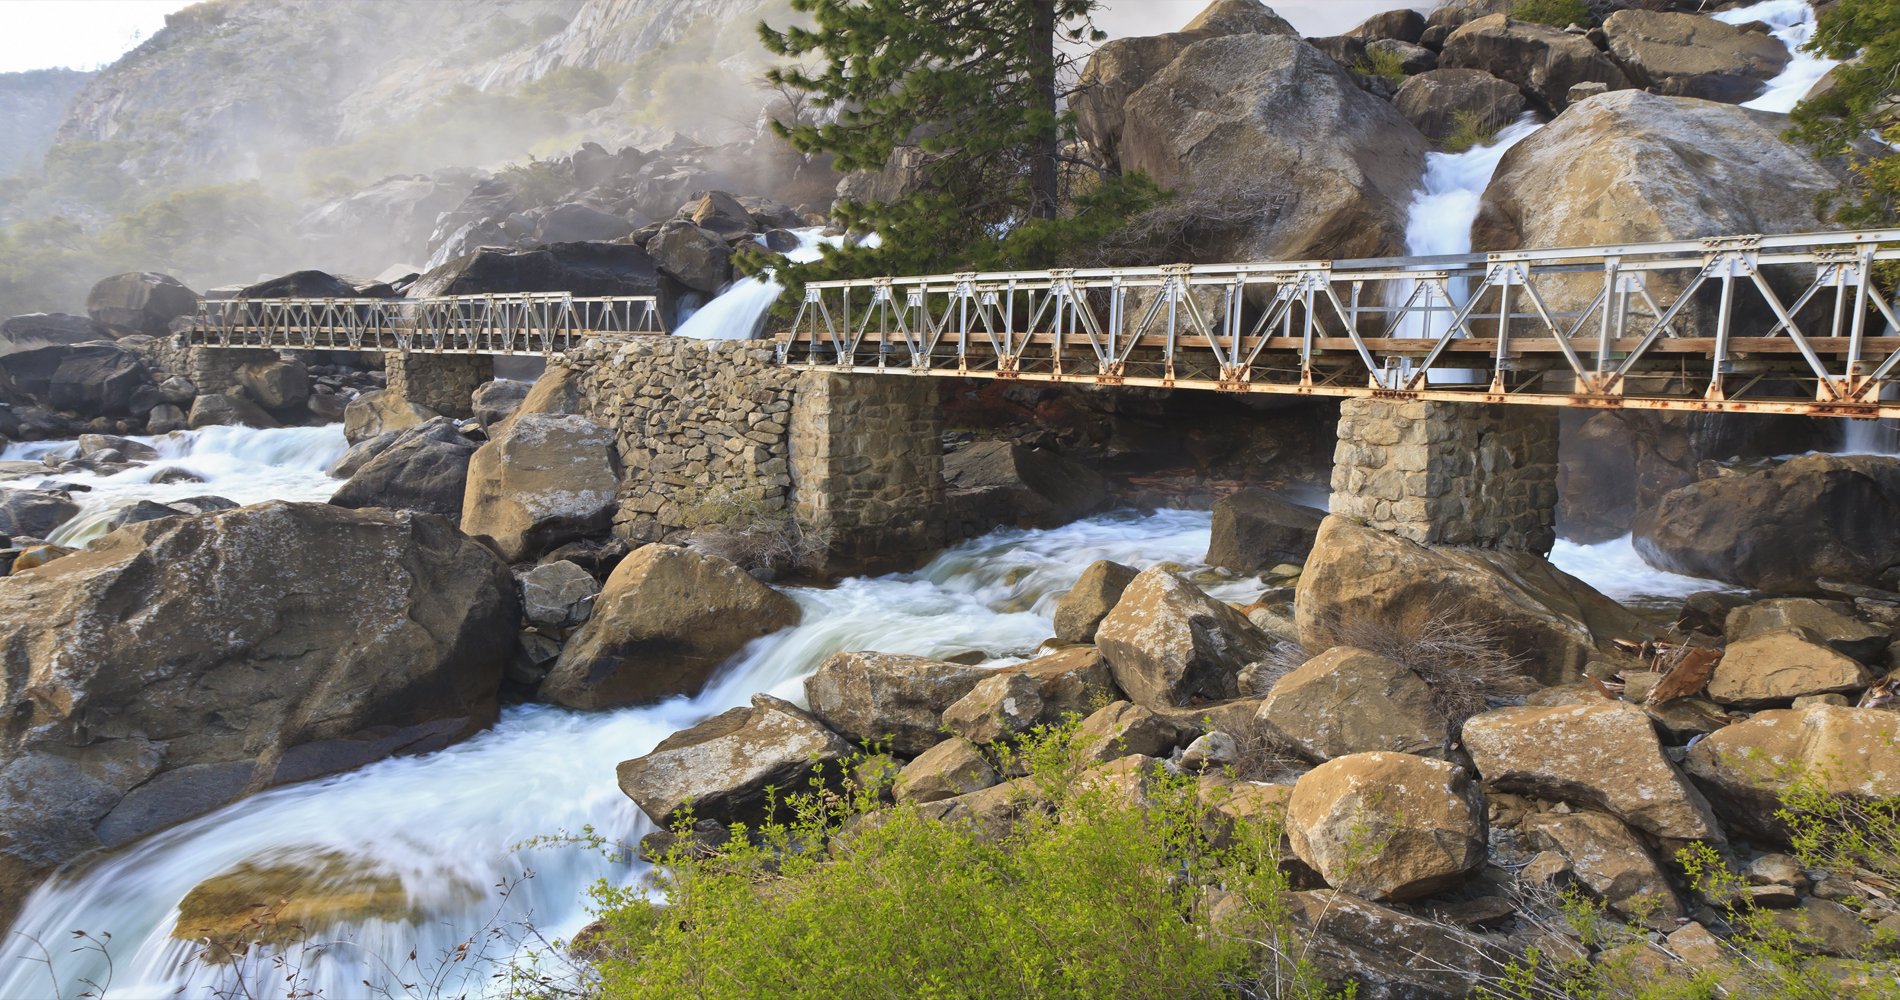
<point x="738" y="313"/>
<point x="1793" y="22"/>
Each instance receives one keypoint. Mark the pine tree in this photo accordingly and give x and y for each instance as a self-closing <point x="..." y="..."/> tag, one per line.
<point x="1863" y="100"/>
<point x="962" y="96"/>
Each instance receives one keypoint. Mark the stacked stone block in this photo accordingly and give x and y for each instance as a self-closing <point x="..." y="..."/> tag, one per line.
<point x="1449" y="473"/>
<point x="867" y="470"/>
<point x="215" y="370"/>
<point x="442" y="382"/>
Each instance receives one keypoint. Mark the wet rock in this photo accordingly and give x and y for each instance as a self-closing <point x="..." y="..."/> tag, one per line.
<point x="1746" y="766"/>
<point x="1000" y="483"/>
<point x="90" y="380"/>
<point x="1347" y="701"/>
<point x="221" y="410"/>
<point x="1546" y="62"/>
<point x="1609" y="862"/>
<point x="585" y="269"/>
<point x="557" y="595"/>
<point x="1122" y="728"/>
<point x="380" y="411"/>
<point x="165" y="418"/>
<point x="425" y="471"/>
<point x="1255" y="530"/>
<point x="297" y="890"/>
<point x="1811" y="518"/>
<point x="177" y="390"/>
<point x="34" y="513"/>
<point x="721" y="214"/>
<point x="665" y="620"/>
<point x="542" y="481"/>
<point x="174" y="476"/>
<point x="1043" y="690"/>
<point x="888" y="699"/>
<point x="1230" y="114"/>
<point x="270" y="644"/>
<point x="202" y="505"/>
<point x="1169" y="644"/>
<point x="1782" y="665"/>
<point x="1550" y="619"/>
<point x="699" y="258"/>
<point x="1080" y="611"/>
<point x="949" y="769"/>
<point x="140" y="302"/>
<point x="139" y="511"/>
<point x="1686" y="55"/>
<point x="35" y="556"/>
<point x="1425" y="816"/>
<point x="1600" y="755"/>
<point x="92" y="444"/>
<point x="1437" y="102"/>
<point x="723" y="766"/>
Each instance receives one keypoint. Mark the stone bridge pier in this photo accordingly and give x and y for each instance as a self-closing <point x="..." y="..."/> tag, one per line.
<point x="1482" y="475"/>
<point x="442" y="382"/>
<point x="844" y="473"/>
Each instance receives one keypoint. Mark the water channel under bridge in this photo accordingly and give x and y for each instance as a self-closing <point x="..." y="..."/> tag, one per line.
<point x="1763" y="324"/>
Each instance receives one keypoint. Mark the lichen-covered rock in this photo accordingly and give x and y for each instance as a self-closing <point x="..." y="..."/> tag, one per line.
<point x="1382" y="954"/>
<point x="1830" y="622"/>
<point x="885" y="697"/>
<point x="1688" y="55"/>
<point x="1438" y="101"/>
<point x="231" y="652"/>
<point x="1782" y="665"/>
<point x="1042" y="690"/>
<point x="664" y="621"/>
<point x="379" y="411"/>
<point x="1387" y="826"/>
<point x="544" y="480"/>
<point x="1747" y="766"/>
<point x="1122" y="728"/>
<point x="1609" y="861"/>
<point x="949" y="769"/>
<point x="722" y="767"/>
<point x="1168" y="643"/>
<point x="426" y="471"/>
<point x="558" y="595"/>
<point x="1602" y="755"/>
<point x="1080" y="611"/>
<point x="1545" y="61"/>
<point x="1347" y="701"/>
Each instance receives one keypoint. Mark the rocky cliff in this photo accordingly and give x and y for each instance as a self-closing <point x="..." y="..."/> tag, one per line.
<point x="32" y="105"/>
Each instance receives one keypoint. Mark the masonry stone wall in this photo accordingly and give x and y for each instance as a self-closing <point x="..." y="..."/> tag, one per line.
<point x="1449" y="473"/>
<point x="442" y="382"/>
<point x="710" y="429"/>
<point x="215" y="369"/>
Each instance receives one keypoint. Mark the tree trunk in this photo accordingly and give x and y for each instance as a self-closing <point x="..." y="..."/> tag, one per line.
<point x="1042" y="158"/>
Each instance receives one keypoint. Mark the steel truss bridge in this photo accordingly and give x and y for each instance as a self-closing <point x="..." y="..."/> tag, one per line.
<point x="1762" y="324"/>
<point x="523" y="323"/>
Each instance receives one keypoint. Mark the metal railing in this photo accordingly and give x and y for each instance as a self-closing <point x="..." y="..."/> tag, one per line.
<point x="1790" y="324"/>
<point x="536" y="323"/>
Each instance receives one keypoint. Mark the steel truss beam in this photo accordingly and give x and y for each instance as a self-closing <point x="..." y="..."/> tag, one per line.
<point x="527" y="323"/>
<point x="1780" y="324"/>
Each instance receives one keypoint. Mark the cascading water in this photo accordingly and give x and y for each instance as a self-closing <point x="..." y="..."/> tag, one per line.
<point x="242" y="464"/>
<point x="1793" y="22"/>
<point x="739" y="311"/>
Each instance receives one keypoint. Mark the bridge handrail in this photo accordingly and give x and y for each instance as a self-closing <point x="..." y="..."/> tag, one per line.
<point x="495" y="323"/>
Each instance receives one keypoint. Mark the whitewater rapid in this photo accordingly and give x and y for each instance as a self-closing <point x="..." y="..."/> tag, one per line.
<point x="1794" y="23"/>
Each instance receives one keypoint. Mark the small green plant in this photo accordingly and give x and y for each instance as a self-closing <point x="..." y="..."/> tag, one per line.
<point x="1469" y="130"/>
<point x="1556" y="13"/>
<point x="1382" y="62"/>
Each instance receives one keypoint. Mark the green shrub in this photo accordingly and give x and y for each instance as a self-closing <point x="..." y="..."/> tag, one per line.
<point x="1468" y="131"/>
<point x="1382" y="62"/>
<point x="1556" y="13"/>
<point x="1087" y="896"/>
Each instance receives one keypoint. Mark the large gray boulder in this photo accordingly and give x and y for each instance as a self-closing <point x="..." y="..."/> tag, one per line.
<point x="1347" y="701"/>
<point x="581" y="268"/>
<point x="34" y="513"/>
<point x="1168" y="644"/>
<point x="225" y="410"/>
<point x="140" y="302"/>
<point x="1812" y="518"/>
<point x="1544" y="61"/>
<point x="721" y="768"/>
<point x="1687" y="55"/>
<point x="496" y="401"/>
<point x="1425" y="816"/>
<point x="1231" y="117"/>
<point x="48" y="330"/>
<point x="1437" y="103"/>
<point x="1000" y="483"/>
<point x="91" y="380"/>
<point x="1255" y="530"/>
<point x="424" y="470"/>
<point x="698" y="257"/>
<point x="1361" y="577"/>
<point x="888" y="698"/>
<point x="544" y="480"/>
<point x="665" y="620"/>
<point x="182" y="663"/>
<point x="1121" y="66"/>
<point x="380" y="411"/>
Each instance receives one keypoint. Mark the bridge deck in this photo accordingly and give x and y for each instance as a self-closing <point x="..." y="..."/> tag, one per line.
<point x="1782" y="324"/>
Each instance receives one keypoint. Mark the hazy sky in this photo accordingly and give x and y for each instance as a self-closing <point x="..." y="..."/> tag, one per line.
<point x="81" y="34"/>
<point x="87" y="34"/>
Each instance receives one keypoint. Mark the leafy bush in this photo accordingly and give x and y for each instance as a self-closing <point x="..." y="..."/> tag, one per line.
<point x="1086" y="896"/>
<point x="1556" y="13"/>
<point x="1468" y="131"/>
<point x="1382" y="62"/>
